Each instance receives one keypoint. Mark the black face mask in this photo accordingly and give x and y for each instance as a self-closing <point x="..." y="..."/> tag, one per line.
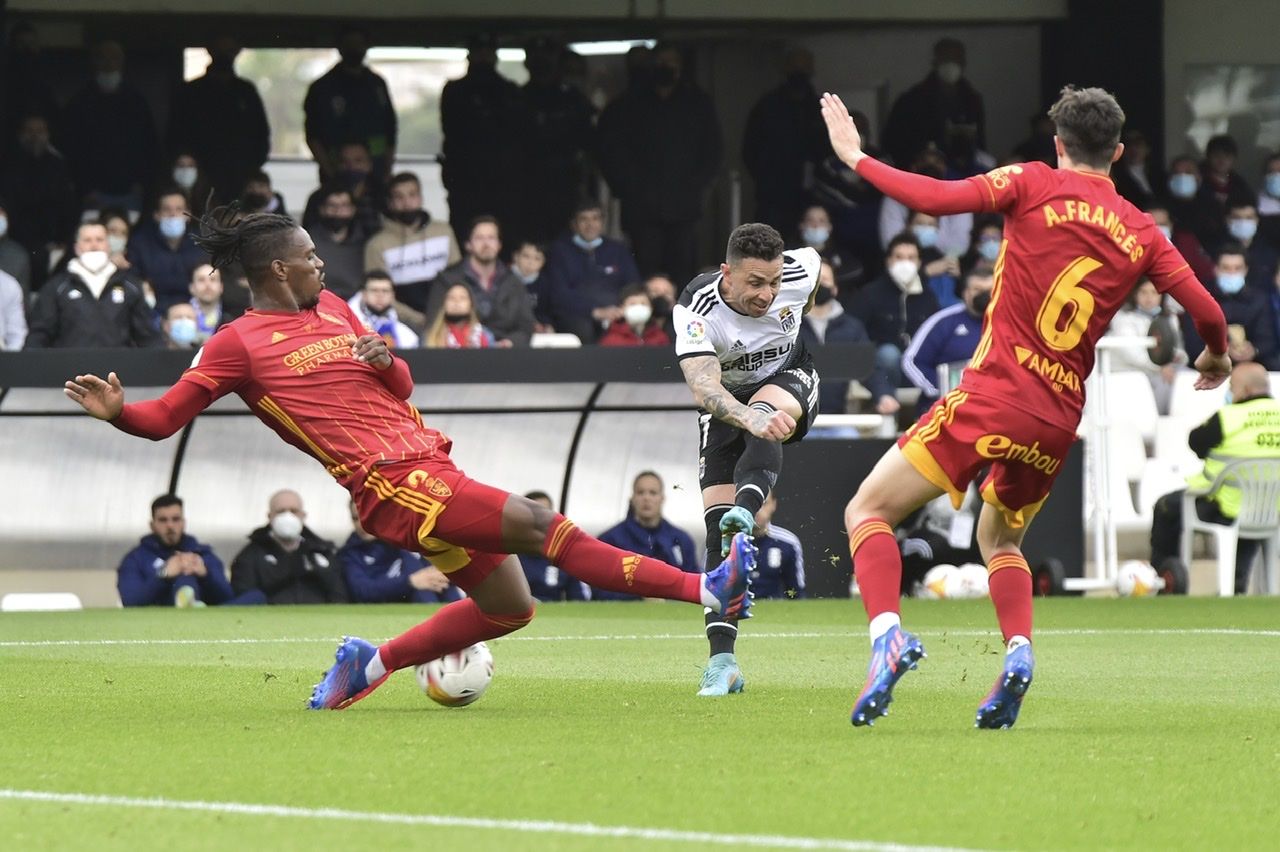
<point x="256" y="200"/>
<point x="823" y="296"/>
<point x="454" y="319"/>
<point x="664" y="75"/>
<point x="661" y="307"/>
<point x="405" y="217"/>
<point x="980" y="303"/>
<point x="334" y="224"/>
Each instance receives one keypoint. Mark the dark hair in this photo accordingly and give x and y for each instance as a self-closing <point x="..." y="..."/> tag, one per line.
<point x="403" y="177"/>
<point x="531" y="243"/>
<point x="982" y="221"/>
<point x="1221" y="143"/>
<point x="252" y="240"/>
<point x="972" y="272"/>
<point x="259" y="176"/>
<point x="632" y="290"/>
<point x="170" y="189"/>
<point x="755" y="240"/>
<point x="483" y="220"/>
<point x="642" y="474"/>
<point x="906" y="238"/>
<point x="377" y="275"/>
<point x="164" y="501"/>
<point x="1088" y="121"/>
<point x="1240" y="203"/>
<point x="1231" y="248"/>
<point x="329" y="190"/>
<point x="586" y="205"/>
<point x="106" y="214"/>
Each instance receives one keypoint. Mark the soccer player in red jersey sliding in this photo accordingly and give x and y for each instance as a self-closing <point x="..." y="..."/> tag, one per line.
<point x="306" y="366"/>
<point x="1072" y="251"/>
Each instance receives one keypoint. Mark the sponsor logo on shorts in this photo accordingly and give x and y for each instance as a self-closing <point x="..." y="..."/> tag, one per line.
<point x="1058" y="376"/>
<point x="1004" y="447"/>
<point x="433" y="486"/>
<point x="695" y="331"/>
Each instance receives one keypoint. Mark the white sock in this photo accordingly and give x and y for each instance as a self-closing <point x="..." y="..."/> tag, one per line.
<point x="375" y="669"/>
<point x="882" y="623"/>
<point x="1016" y="642"/>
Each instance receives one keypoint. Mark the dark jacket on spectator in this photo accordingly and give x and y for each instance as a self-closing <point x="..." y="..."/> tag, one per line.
<point x="376" y="572"/>
<point x="503" y="309"/>
<point x="480" y="116"/>
<point x="843" y="327"/>
<point x="921" y="114"/>
<point x="140" y="584"/>
<point x="667" y="543"/>
<point x="889" y="314"/>
<point x="67" y="315"/>
<point x="168" y="269"/>
<point x="1251" y="309"/>
<point x="109" y="139"/>
<point x="549" y="583"/>
<point x="779" y="564"/>
<point x="345" y="107"/>
<point x="580" y="280"/>
<point x="343" y="262"/>
<point x="784" y="140"/>
<point x="40" y="200"/>
<point x="308" y="575"/>
<point x="221" y="121"/>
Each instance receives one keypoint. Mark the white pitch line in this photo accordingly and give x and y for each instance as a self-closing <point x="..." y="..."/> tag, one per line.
<point x="581" y="829"/>
<point x="622" y="637"/>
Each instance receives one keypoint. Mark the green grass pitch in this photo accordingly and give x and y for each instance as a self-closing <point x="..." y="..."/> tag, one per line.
<point x="1151" y="724"/>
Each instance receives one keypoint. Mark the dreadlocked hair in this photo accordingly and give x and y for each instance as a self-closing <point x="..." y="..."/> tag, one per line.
<point x="251" y="240"/>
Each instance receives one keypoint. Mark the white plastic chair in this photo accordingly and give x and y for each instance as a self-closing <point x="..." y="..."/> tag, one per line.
<point x="554" y="340"/>
<point x="1171" y="444"/>
<point x="1128" y="452"/>
<point x="1189" y="403"/>
<point x="1259" y="519"/>
<point x="1159" y="478"/>
<point x="1133" y="402"/>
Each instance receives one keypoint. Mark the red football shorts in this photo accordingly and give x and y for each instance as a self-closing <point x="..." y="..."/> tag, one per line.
<point x="430" y="507"/>
<point x="963" y="433"/>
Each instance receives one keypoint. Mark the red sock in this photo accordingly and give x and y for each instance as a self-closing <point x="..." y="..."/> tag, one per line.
<point x="599" y="564"/>
<point x="877" y="565"/>
<point x="454" y="627"/>
<point x="1010" y="583"/>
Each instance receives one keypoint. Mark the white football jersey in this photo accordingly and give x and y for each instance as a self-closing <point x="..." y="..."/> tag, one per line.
<point x="750" y="349"/>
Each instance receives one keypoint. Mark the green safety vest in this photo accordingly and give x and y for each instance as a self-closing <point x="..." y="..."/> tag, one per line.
<point x="1250" y="429"/>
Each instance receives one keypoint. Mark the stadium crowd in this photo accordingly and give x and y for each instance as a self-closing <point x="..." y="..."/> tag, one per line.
<point x="96" y="202"/>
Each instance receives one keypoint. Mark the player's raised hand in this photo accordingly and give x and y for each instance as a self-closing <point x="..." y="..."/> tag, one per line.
<point x="1213" y="370"/>
<point x="775" y="426"/>
<point x="372" y="349"/>
<point x="845" y="139"/>
<point x="103" y="400"/>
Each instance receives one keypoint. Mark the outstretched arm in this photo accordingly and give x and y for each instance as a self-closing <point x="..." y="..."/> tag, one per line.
<point x="155" y="419"/>
<point x="917" y="192"/>
<point x="702" y="373"/>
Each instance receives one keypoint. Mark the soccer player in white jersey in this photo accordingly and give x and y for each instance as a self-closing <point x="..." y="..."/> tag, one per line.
<point x="737" y="338"/>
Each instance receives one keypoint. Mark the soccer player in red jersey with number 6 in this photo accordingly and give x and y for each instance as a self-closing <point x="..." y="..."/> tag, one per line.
<point x="306" y="366"/>
<point x="1072" y="251"/>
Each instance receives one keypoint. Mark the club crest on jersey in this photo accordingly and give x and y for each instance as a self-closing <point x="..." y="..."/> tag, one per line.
<point x="787" y="319"/>
<point x="695" y="331"/>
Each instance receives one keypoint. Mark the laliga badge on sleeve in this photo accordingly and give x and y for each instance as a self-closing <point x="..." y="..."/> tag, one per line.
<point x="695" y="331"/>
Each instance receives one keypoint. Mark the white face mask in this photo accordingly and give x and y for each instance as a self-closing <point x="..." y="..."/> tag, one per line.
<point x="185" y="176"/>
<point x="94" y="261"/>
<point x="903" y="272"/>
<point x="109" y="81"/>
<point x="287" y="526"/>
<point x="636" y="313"/>
<point x="4" y="226"/>
<point x="950" y="73"/>
<point x="116" y="244"/>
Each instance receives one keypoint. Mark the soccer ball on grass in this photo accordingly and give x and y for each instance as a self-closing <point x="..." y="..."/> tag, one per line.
<point x="457" y="679"/>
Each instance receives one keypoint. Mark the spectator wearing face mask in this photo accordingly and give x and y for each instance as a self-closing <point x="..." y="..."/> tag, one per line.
<point x="528" y="262"/>
<point x="186" y="174"/>
<point x="948" y="336"/>
<point x="953" y="230"/>
<point x="206" y="301"/>
<point x="586" y="274"/>
<point x="286" y="561"/>
<point x="984" y="247"/>
<point x="1184" y="240"/>
<point x="116" y="221"/>
<point x="1242" y="227"/>
<point x="895" y="304"/>
<point x="13" y="319"/>
<point x="498" y="297"/>
<point x="92" y="304"/>
<point x="258" y="196"/>
<point x="411" y="246"/>
<point x="943" y="109"/>
<point x="340" y="241"/>
<point x="14" y="259"/>
<point x="828" y="322"/>
<point x="163" y="252"/>
<point x="109" y="135"/>
<point x="662" y="296"/>
<point x="355" y="172"/>
<point x="1269" y="202"/>
<point x="351" y="103"/>
<point x="179" y="327"/>
<point x="637" y="326"/>
<point x="1137" y="176"/>
<point x="40" y="200"/>
<point x="1250" y="335"/>
<point x="220" y="120"/>
<point x="1143" y="307"/>
<point x="815" y="232"/>
<point x="456" y="325"/>
<point x="941" y="271"/>
<point x="1191" y="210"/>
<point x="375" y="305"/>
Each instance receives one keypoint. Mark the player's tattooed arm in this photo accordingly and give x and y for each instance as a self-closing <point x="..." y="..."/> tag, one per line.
<point x="703" y="377"/>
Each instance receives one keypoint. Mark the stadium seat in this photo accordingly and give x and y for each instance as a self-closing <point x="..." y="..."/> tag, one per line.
<point x="1128" y="451"/>
<point x="554" y="340"/>
<point x="1131" y="400"/>
<point x="1159" y="477"/>
<point x="1189" y="403"/>
<point x="1259" y="520"/>
<point x="39" y="602"/>
<point x="1275" y="385"/>
<point x="1171" y="444"/>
